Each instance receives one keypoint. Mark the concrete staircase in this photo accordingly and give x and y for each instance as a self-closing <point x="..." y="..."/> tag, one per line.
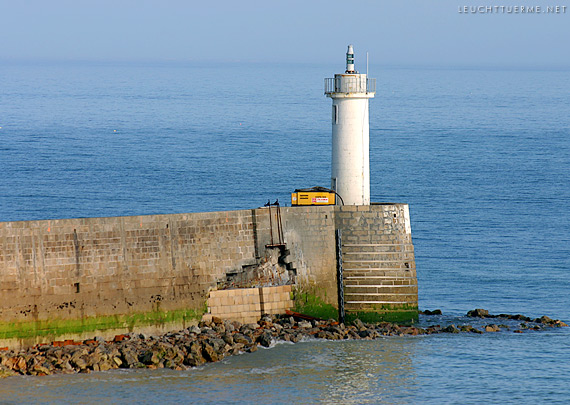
<point x="379" y="275"/>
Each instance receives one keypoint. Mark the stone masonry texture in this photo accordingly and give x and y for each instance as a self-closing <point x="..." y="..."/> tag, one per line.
<point x="378" y="257"/>
<point x="89" y="267"/>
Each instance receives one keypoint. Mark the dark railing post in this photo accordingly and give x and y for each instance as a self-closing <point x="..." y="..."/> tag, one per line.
<point x="270" y="221"/>
<point x="339" y="275"/>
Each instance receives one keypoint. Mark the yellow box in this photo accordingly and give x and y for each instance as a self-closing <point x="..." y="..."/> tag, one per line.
<point x="312" y="198"/>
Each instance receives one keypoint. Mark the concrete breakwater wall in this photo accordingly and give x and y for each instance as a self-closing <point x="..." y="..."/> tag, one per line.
<point x="95" y="274"/>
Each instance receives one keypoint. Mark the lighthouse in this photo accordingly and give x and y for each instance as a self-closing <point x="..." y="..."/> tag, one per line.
<point x="350" y="92"/>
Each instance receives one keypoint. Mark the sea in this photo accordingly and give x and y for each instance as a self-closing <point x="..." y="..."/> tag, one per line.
<point x="481" y="155"/>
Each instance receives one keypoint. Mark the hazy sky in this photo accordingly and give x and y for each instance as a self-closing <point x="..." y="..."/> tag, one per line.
<point x="394" y="32"/>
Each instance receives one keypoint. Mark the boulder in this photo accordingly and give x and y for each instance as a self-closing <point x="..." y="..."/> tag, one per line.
<point x="194" y="360"/>
<point x="478" y="313"/>
<point x="359" y="324"/>
<point x="265" y="339"/>
<point x="243" y="339"/>
<point x="450" y="329"/>
<point x="228" y="338"/>
<point x="492" y="328"/>
<point x="209" y="353"/>
<point x="545" y="320"/>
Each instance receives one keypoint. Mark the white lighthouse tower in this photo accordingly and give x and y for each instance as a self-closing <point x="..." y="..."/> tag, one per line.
<point x="350" y="92"/>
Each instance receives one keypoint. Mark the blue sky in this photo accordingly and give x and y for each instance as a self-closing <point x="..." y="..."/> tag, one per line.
<point x="395" y="32"/>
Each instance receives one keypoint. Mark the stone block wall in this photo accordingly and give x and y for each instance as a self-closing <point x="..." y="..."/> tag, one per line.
<point x="89" y="268"/>
<point x="75" y="268"/>
<point x="378" y="258"/>
<point x="247" y="305"/>
<point x="310" y="243"/>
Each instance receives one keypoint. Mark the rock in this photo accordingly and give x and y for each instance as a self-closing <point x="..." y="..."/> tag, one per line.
<point x="236" y="349"/>
<point x="478" y="313"/>
<point x="20" y="365"/>
<point x="470" y="329"/>
<point x="151" y="357"/>
<point x="217" y="343"/>
<point x="366" y="334"/>
<point x="243" y="339"/>
<point x="434" y="312"/>
<point x="41" y="369"/>
<point x="413" y="331"/>
<point x="212" y="341"/>
<point x="229" y="326"/>
<point x="322" y="334"/>
<point x="520" y="318"/>
<point x="492" y="328"/>
<point x="104" y="366"/>
<point x="292" y="337"/>
<point x="217" y="320"/>
<point x="335" y="329"/>
<point x="359" y="324"/>
<point x="129" y="358"/>
<point x="265" y="339"/>
<point x="246" y="330"/>
<point x="79" y="362"/>
<point x="237" y="325"/>
<point x="204" y="324"/>
<point x="194" y="360"/>
<point x="66" y="366"/>
<point x="227" y="337"/>
<point x="353" y="334"/>
<point x="450" y="329"/>
<point x="266" y="318"/>
<point x="545" y="320"/>
<point x="209" y="353"/>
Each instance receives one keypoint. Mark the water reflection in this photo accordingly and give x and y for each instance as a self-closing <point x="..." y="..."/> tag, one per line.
<point x="379" y="371"/>
<point x="372" y="371"/>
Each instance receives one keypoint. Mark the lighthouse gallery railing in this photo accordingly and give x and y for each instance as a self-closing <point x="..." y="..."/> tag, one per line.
<point x="349" y="85"/>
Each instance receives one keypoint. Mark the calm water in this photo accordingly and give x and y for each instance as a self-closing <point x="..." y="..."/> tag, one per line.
<point x="481" y="156"/>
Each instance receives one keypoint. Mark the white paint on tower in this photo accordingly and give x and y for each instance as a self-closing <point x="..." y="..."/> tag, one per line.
<point x="350" y="92"/>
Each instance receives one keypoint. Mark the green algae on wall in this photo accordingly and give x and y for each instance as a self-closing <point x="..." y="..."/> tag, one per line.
<point x="308" y="301"/>
<point x="311" y="304"/>
<point x="57" y="327"/>
<point x="400" y="314"/>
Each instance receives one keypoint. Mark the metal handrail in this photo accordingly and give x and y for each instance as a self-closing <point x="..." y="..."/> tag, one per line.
<point x="349" y="85"/>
